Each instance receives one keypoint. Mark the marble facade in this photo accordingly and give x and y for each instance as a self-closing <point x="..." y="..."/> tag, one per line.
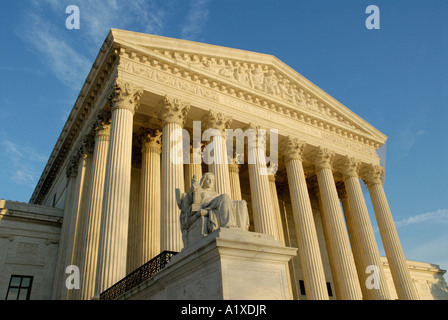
<point x="114" y="172"/>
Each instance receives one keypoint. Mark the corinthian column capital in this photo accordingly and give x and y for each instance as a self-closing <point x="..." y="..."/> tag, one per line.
<point x="151" y="139"/>
<point x="323" y="158"/>
<point x="350" y="167"/>
<point x="373" y="174"/>
<point x="257" y="136"/>
<point x="125" y="96"/>
<point x="72" y="168"/>
<point x="173" y="110"/>
<point x="101" y="126"/>
<point x="88" y="144"/>
<point x="216" y="120"/>
<point x="293" y="148"/>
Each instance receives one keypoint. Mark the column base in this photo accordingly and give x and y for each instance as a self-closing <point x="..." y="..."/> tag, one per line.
<point x="228" y="264"/>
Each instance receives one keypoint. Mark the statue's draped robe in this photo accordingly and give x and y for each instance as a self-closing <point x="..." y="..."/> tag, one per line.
<point x="223" y="212"/>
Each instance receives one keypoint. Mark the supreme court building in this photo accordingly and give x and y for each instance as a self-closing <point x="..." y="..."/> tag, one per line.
<point x="106" y="202"/>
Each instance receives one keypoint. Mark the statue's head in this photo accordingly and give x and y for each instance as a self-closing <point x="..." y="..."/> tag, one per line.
<point x="208" y="181"/>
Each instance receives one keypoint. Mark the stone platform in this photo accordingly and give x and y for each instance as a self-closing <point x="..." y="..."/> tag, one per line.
<point x="228" y="264"/>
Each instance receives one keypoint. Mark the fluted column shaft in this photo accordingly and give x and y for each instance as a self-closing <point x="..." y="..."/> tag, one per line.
<point x="341" y="260"/>
<point x="397" y="263"/>
<point x="148" y="224"/>
<point x="262" y="205"/>
<point x="276" y="206"/>
<point x="172" y="113"/>
<point x="115" y="209"/>
<point x="234" y="175"/>
<point x="308" y="244"/>
<point x="75" y="182"/>
<point x="219" y="165"/>
<point x="134" y="215"/>
<point x="354" y="241"/>
<point x="368" y="248"/>
<point x="93" y="213"/>
<point x="85" y="167"/>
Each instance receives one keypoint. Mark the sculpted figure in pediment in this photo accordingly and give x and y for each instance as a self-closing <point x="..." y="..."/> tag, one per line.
<point x="226" y="72"/>
<point x="271" y="83"/>
<point x="257" y="78"/>
<point x="241" y="76"/>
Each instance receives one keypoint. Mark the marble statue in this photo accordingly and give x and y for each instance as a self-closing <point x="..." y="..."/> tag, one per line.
<point x="214" y="210"/>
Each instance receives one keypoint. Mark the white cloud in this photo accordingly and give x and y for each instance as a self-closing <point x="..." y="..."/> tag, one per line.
<point x="196" y="19"/>
<point x="45" y="31"/>
<point x="437" y="216"/>
<point x="69" y="66"/>
<point x="24" y="163"/>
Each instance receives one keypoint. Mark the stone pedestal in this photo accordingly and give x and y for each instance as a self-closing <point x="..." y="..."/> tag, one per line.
<point x="228" y="264"/>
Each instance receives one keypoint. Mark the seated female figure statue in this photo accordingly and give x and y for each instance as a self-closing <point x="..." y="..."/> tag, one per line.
<point x="218" y="209"/>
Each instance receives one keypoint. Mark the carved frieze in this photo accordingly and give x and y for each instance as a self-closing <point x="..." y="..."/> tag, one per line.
<point x="263" y="78"/>
<point x="293" y="118"/>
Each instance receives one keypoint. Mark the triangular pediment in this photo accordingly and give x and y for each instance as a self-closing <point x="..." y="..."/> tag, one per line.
<point x="259" y="74"/>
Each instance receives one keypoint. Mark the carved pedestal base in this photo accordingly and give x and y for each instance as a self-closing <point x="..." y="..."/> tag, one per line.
<point x="228" y="264"/>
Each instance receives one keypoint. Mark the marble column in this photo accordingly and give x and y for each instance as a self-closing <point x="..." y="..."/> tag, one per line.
<point x="262" y="205"/>
<point x="234" y="175"/>
<point x="194" y="168"/>
<point x="85" y="168"/>
<point x="353" y="236"/>
<point x="217" y="150"/>
<point x="172" y="114"/>
<point x="78" y="172"/>
<point x="115" y="208"/>
<point x="364" y="237"/>
<point x="276" y="206"/>
<point x="397" y="263"/>
<point x="308" y="244"/>
<point x="93" y="207"/>
<point x="341" y="258"/>
<point x="74" y="173"/>
<point x="148" y="224"/>
<point x="134" y="213"/>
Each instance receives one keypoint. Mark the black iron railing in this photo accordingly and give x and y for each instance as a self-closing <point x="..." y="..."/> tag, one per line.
<point x="137" y="276"/>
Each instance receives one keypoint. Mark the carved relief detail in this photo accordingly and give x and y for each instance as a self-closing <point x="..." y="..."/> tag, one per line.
<point x="27" y="248"/>
<point x="192" y="83"/>
<point x="263" y="78"/>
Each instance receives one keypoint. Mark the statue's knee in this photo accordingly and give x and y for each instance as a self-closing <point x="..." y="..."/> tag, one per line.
<point x="226" y="199"/>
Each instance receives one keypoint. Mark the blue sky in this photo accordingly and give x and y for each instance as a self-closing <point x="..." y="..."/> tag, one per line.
<point x="396" y="78"/>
